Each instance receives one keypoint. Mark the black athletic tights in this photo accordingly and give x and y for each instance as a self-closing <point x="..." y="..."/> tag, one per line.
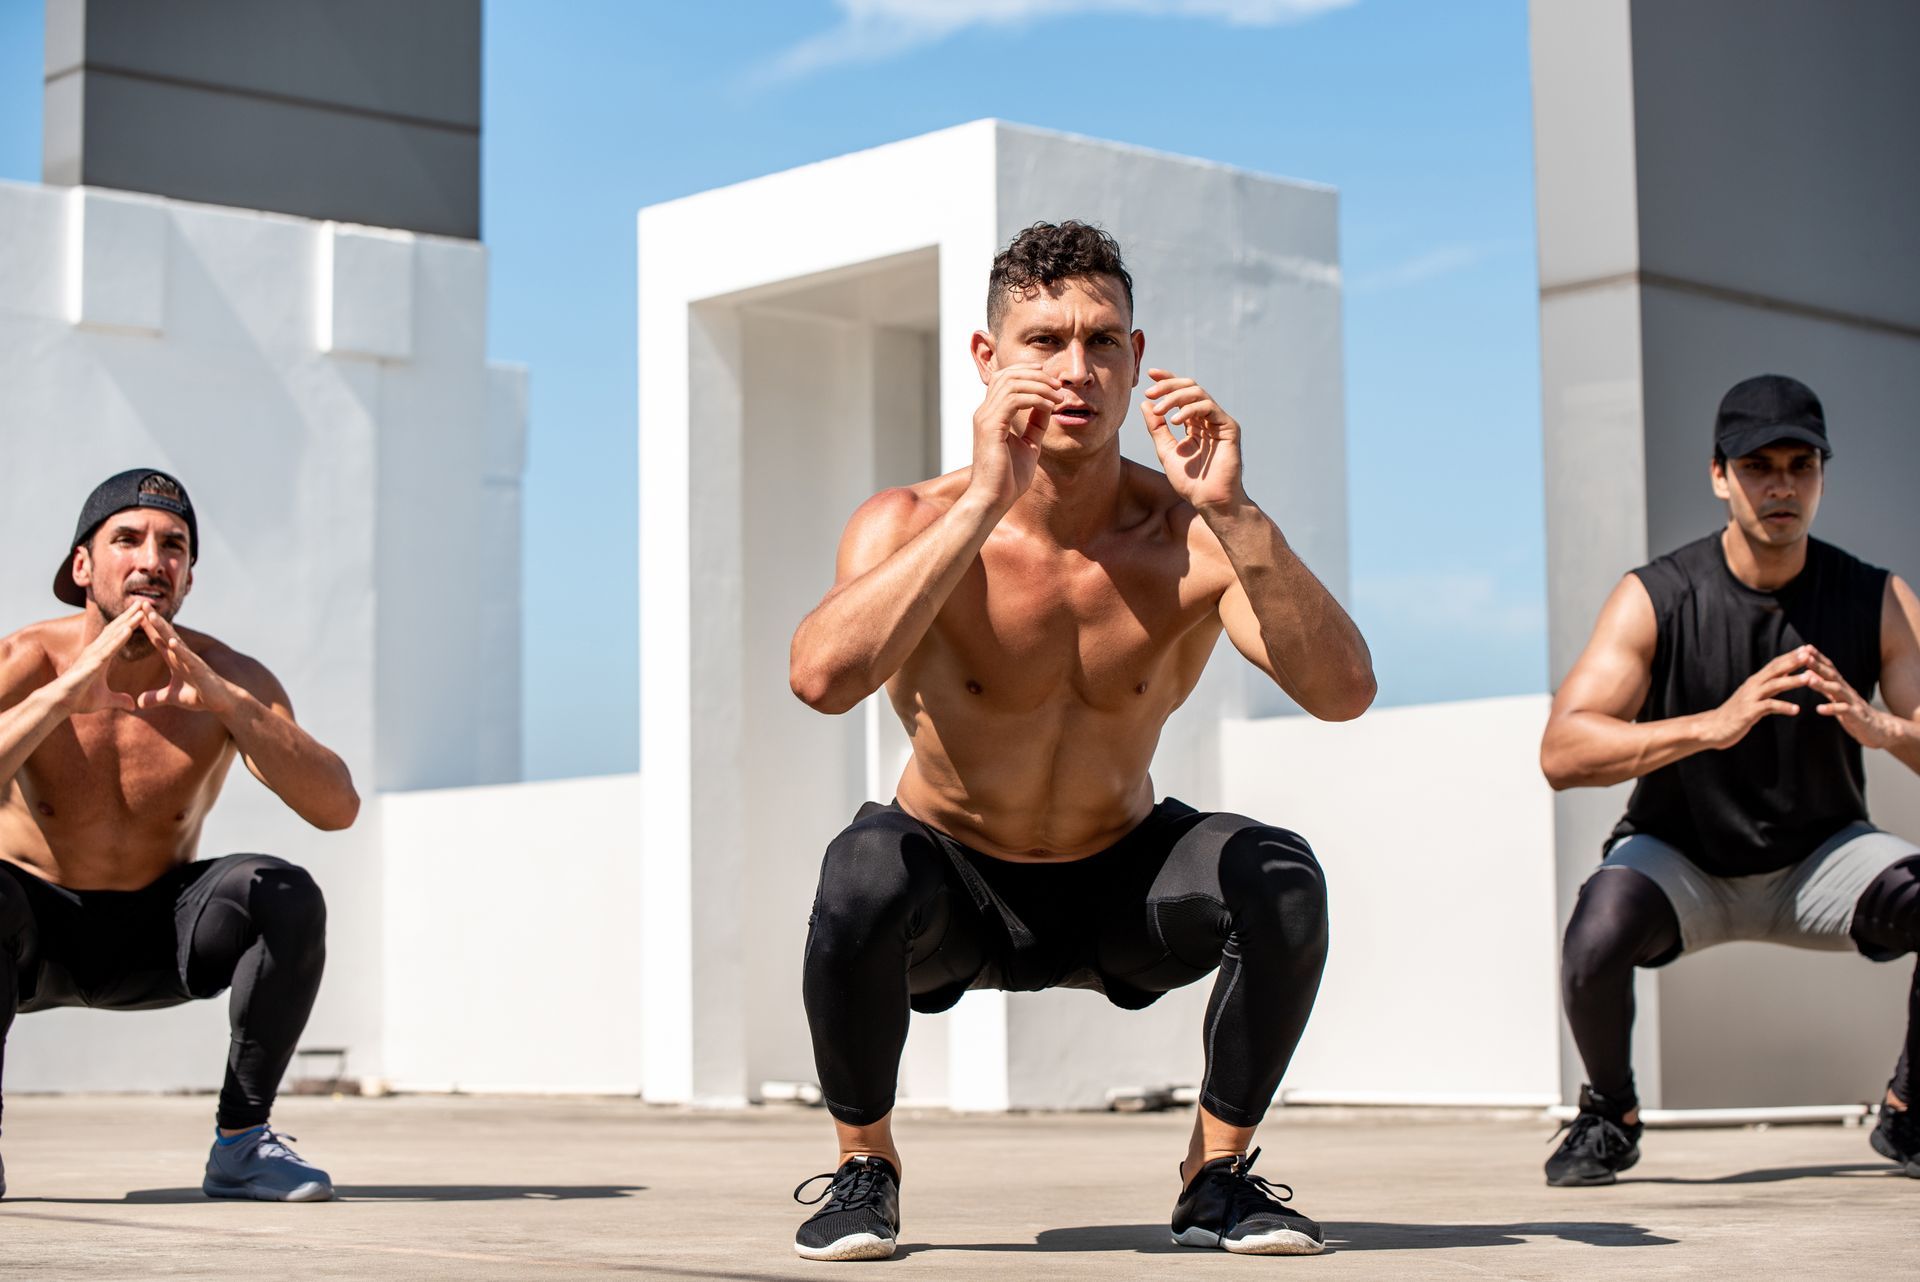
<point x="252" y="922"/>
<point x="1623" y="920"/>
<point x="908" y="918"/>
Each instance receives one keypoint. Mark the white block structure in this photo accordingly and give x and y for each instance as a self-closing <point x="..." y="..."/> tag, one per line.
<point x="324" y="393"/>
<point x="792" y="364"/>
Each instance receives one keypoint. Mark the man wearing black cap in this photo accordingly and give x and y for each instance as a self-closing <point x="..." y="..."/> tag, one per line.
<point x="1732" y="679"/>
<point x="116" y="733"/>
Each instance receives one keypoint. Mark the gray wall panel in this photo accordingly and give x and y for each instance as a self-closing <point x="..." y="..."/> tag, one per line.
<point x="197" y="145"/>
<point x="1777" y="149"/>
<point x="419" y="58"/>
<point x="360" y="110"/>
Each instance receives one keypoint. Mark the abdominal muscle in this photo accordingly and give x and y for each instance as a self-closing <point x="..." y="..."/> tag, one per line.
<point x="1058" y="784"/>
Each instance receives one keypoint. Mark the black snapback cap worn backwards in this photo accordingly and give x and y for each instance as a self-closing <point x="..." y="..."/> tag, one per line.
<point x="117" y="494"/>
<point x="1767" y="410"/>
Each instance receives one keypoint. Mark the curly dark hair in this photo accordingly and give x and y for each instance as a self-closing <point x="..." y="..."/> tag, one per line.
<point x="1047" y="253"/>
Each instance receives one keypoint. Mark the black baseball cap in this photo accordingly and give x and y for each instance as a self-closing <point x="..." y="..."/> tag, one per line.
<point x="1766" y="410"/>
<point x="117" y="494"/>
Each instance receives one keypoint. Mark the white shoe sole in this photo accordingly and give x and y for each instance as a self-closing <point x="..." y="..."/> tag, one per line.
<point x="854" y="1246"/>
<point x="311" y="1191"/>
<point x="1278" y="1242"/>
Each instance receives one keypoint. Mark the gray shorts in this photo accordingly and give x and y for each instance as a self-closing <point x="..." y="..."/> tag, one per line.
<point x="1805" y="905"/>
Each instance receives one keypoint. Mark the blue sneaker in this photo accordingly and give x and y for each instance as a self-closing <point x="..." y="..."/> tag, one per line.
<point x="259" y="1165"/>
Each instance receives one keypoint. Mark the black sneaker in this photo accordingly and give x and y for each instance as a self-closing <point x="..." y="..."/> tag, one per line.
<point x="1599" y="1145"/>
<point x="1228" y="1206"/>
<point x="1897" y="1138"/>
<point x="861" y="1217"/>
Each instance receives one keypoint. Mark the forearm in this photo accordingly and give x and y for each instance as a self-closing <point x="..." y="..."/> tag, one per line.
<point x="26" y="725"/>
<point x="302" y="771"/>
<point x="1594" y="750"/>
<point x="1313" y="649"/>
<point x="865" y="629"/>
<point x="1905" y="743"/>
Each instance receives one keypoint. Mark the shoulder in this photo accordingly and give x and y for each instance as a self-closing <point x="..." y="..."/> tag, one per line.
<point x="885" y="523"/>
<point x="902" y="511"/>
<point x="1629" y="617"/>
<point x="1668" y="577"/>
<point x="1846" y="563"/>
<point x="26" y="658"/>
<point x="243" y="670"/>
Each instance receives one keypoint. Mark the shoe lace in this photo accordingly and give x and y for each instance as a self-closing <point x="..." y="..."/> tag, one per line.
<point x="853" y="1187"/>
<point x="1594" y="1133"/>
<point x="274" y="1144"/>
<point x="1254" y="1192"/>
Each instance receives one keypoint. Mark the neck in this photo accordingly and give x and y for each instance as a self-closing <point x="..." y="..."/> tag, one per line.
<point x="1072" y="500"/>
<point x="136" y="654"/>
<point x="1762" y="566"/>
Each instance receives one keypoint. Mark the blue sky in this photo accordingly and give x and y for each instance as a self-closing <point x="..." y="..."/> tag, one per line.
<point x="1419" y="113"/>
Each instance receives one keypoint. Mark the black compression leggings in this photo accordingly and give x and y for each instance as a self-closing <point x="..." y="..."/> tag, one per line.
<point x="250" y="922"/>
<point x="906" y="918"/>
<point x="1623" y="920"/>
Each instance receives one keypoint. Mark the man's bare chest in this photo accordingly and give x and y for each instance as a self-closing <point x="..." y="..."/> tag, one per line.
<point x="1014" y="636"/>
<point x="144" y="765"/>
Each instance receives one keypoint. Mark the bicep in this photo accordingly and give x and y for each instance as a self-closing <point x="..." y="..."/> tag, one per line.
<point x="1615" y="671"/>
<point x="256" y="680"/>
<point x="1900" y="649"/>
<point x="1242" y="627"/>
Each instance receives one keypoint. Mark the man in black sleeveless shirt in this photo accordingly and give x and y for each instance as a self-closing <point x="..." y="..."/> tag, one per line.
<point x="1732" y="678"/>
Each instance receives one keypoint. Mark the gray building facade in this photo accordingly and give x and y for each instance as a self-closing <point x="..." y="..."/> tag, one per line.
<point x="364" y="111"/>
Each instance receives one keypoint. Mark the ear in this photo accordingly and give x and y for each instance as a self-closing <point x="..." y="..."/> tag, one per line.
<point x="1721" y="485"/>
<point x="981" y="346"/>
<point x="82" y="566"/>
<point x="186" y="585"/>
<point x="1139" y="355"/>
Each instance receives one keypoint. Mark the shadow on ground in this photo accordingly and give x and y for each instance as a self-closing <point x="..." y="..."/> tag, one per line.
<point x="1774" y="1175"/>
<point x="1154" y="1239"/>
<point x="381" y="1193"/>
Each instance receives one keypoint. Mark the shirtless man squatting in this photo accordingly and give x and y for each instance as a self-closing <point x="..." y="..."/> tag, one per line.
<point x="1035" y="618"/>
<point x="116" y="733"/>
<point x="1731" y="678"/>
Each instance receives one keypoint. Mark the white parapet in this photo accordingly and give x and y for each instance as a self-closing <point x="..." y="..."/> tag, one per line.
<point x="511" y="944"/>
<point x="803" y="343"/>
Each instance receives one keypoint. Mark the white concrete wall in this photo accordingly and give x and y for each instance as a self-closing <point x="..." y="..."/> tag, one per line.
<point x="322" y="392"/>
<point x="512" y="954"/>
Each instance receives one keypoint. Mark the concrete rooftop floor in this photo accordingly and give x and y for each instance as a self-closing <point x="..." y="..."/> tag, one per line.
<point x="485" y="1188"/>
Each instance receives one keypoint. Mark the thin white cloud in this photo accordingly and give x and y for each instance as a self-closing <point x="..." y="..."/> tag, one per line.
<point x="1431" y="265"/>
<point x="875" y="30"/>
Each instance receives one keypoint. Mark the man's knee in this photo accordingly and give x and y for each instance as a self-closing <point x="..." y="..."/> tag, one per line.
<point x="1272" y="881"/>
<point x="1887" y="917"/>
<point x="284" y="903"/>
<point x="1616" y="925"/>
<point x="873" y="879"/>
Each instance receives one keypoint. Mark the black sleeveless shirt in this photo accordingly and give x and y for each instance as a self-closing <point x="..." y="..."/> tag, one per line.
<point x="1771" y="799"/>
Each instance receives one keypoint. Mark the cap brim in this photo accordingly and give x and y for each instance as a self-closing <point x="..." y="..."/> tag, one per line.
<point x="1750" y="440"/>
